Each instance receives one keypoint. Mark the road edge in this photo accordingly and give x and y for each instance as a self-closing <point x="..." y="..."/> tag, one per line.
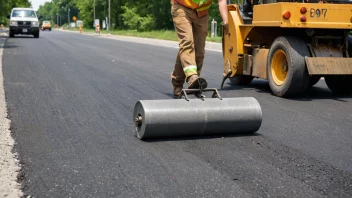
<point x="210" y="46"/>
<point x="9" y="163"/>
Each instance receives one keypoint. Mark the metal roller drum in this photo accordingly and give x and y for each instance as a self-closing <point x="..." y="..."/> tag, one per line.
<point x="196" y="117"/>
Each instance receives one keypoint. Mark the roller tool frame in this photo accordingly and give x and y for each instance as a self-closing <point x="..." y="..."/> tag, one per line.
<point x="198" y="93"/>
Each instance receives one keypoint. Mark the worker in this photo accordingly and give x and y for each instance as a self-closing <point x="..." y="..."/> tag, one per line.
<point x="190" y="18"/>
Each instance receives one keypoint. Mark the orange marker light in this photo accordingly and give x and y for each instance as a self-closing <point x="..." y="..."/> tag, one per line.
<point x="303" y="18"/>
<point x="303" y="10"/>
<point x="286" y="14"/>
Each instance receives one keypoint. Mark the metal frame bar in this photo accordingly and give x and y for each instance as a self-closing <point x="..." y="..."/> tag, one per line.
<point x="198" y="93"/>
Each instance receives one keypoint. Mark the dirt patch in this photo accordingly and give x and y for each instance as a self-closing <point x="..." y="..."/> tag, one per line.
<point x="9" y="165"/>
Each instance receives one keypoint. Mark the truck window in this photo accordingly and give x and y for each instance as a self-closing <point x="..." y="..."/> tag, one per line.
<point x="24" y="13"/>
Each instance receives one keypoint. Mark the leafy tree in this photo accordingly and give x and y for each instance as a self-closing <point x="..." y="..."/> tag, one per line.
<point x="142" y="15"/>
<point x="7" y="5"/>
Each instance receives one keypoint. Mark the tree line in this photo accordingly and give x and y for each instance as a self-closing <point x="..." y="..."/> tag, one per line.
<point x="7" y="5"/>
<point x="142" y="15"/>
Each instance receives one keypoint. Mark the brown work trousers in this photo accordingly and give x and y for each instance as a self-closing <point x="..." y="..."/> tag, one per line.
<point x="191" y="32"/>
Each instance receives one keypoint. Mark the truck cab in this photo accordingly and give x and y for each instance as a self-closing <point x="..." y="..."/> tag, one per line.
<point x="46" y="25"/>
<point x="24" y="21"/>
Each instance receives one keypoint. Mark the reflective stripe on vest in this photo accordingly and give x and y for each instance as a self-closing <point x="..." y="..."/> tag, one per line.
<point x="203" y="8"/>
<point x="188" y="3"/>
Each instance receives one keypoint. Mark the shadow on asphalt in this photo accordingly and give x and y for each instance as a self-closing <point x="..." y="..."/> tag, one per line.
<point x="260" y="86"/>
<point x="21" y="37"/>
<point x="4" y="35"/>
<point x="224" y="136"/>
<point x="170" y="95"/>
<point x="314" y="93"/>
<point x="10" y="46"/>
<point x="6" y="46"/>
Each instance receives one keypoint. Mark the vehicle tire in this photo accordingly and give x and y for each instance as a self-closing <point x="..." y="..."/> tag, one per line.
<point x="241" y="80"/>
<point x="286" y="67"/>
<point x="36" y="35"/>
<point x="11" y="34"/>
<point x="339" y="84"/>
<point x="350" y="46"/>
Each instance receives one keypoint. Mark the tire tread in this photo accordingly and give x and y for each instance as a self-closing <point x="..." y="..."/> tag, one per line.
<point x="297" y="79"/>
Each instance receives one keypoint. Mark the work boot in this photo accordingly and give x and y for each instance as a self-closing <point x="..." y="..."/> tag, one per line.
<point x="195" y="82"/>
<point x="177" y="91"/>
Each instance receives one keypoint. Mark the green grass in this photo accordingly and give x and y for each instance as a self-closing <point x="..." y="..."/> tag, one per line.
<point x="162" y="34"/>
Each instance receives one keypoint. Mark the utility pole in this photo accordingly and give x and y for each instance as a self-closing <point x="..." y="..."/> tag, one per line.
<point x="68" y="18"/>
<point x="94" y="13"/>
<point x="109" y="17"/>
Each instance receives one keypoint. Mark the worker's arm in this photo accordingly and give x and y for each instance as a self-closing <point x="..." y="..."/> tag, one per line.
<point x="223" y="10"/>
<point x="224" y="15"/>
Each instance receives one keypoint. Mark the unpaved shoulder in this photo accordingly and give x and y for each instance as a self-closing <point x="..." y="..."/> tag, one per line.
<point x="9" y="165"/>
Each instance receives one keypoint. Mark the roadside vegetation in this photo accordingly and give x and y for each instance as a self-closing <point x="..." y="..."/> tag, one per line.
<point x="6" y="7"/>
<point x="142" y="18"/>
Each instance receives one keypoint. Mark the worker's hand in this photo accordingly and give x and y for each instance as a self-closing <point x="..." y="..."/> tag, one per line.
<point x="225" y="28"/>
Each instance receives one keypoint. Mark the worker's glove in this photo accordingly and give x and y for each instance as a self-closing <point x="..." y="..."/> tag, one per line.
<point x="225" y="28"/>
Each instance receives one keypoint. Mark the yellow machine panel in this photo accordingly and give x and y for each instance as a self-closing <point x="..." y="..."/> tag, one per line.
<point x="329" y="65"/>
<point x="303" y="15"/>
<point x="292" y="45"/>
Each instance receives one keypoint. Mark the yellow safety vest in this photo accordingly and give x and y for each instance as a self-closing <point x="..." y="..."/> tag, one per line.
<point x="201" y="9"/>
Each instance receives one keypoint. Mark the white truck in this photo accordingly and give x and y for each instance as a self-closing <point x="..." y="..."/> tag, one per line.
<point x="24" y="21"/>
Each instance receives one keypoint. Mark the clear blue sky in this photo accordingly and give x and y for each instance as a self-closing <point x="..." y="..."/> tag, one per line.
<point x="37" y="3"/>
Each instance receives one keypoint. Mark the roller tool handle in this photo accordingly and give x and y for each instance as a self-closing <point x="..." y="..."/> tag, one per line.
<point x="198" y="93"/>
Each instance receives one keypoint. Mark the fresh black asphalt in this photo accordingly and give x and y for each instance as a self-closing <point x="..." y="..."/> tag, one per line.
<point x="70" y="99"/>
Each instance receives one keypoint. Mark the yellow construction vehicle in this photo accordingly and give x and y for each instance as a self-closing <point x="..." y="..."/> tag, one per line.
<point x="290" y="44"/>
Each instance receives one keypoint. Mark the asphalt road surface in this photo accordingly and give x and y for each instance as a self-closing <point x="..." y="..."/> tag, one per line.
<point x="70" y="99"/>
